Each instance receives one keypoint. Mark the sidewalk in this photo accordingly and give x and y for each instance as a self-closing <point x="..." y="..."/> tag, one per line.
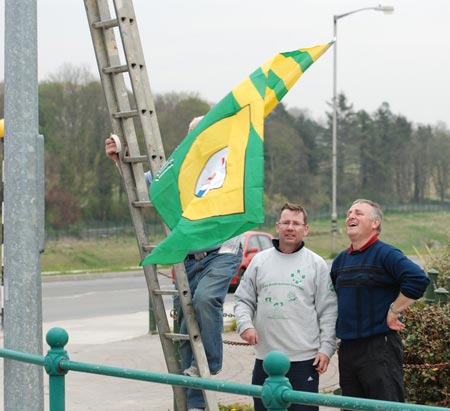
<point x="123" y="341"/>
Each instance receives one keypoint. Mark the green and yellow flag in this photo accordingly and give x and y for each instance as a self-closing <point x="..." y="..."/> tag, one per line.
<point x="212" y="186"/>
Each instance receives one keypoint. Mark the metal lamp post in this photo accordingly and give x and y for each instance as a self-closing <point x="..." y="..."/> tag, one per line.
<point x="336" y="17"/>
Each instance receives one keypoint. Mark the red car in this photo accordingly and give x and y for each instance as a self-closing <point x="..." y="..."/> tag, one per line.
<point x="252" y="242"/>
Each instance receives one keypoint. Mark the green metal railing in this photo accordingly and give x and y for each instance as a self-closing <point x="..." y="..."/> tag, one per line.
<point x="435" y="294"/>
<point x="276" y="393"/>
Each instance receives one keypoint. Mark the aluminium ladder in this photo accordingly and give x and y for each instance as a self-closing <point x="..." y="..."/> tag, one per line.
<point x="128" y="109"/>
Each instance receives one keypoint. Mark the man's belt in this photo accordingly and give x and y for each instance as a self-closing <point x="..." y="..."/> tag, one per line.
<point x="202" y="254"/>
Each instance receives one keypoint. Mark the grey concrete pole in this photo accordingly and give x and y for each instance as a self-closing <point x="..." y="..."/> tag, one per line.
<point x="334" y="144"/>
<point x="23" y="383"/>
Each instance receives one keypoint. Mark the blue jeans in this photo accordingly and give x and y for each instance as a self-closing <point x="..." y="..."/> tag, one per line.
<point x="302" y="376"/>
<point x="209" y="279"/>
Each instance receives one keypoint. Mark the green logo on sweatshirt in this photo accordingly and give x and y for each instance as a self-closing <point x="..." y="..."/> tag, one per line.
<point x="297" y="277"/>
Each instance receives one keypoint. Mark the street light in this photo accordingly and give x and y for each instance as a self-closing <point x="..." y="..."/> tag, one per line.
<point x="336" y="17"/>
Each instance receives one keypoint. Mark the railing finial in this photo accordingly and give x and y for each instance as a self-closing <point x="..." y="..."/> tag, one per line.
<point x="276" y="365"/>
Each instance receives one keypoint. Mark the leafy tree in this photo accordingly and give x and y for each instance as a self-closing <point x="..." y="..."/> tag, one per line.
<point x="422" y="142"/>
<point x="440" y="154"/>
<point x="315" y="139"/>
<point x="175" y="111"/>
<point x="75" y="123"/>
<point x="402" y="152"/>
<point x="367" y="159"/>
<point x="381" y="155"/>
<point x="287" y="163"/>
<point x="347" y="152"/>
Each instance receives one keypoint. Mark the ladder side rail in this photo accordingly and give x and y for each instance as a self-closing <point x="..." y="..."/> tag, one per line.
<point x="131" y="41"/>
<point x="194" y="333"/>
<point x="169" y="347"/>
<point x="173" y="364"/>
<point x="114" y="88"/>
<point x="120" y="126"/>
<point x="185" y="296"/>
<point x="116" y="93"/>
<point x="122" y="97"/>
<point x="141" y="88"/>
<point x="140" y="83"/>
<point x="137" y="214"/>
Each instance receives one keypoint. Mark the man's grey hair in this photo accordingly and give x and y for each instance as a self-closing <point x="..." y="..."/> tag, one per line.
<point x="376" y="210"/>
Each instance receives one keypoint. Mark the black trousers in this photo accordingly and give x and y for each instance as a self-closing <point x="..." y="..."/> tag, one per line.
<point x="372" y="367"/>
<point x="302" y="376"/>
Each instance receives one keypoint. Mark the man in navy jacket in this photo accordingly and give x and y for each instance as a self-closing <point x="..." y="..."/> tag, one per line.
<point x="374" y="283"/>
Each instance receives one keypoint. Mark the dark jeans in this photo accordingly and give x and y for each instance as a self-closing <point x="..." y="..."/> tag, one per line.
<point x="372" y="367"/>
<point x="209" y="279"/>
<point x="302" y="376"/>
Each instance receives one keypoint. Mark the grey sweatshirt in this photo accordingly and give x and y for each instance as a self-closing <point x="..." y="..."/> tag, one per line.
<point x="290" y="301"/>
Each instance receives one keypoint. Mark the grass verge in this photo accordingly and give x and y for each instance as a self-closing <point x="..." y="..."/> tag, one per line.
<point x="404" y="231"/>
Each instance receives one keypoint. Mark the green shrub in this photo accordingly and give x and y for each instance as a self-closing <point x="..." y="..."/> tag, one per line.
<point x="441" y="263"/>
<point x="236" y="407"/>
<point x="426" y="341"/>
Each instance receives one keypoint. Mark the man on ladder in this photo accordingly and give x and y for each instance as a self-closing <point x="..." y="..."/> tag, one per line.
<point x="209" y="273"/>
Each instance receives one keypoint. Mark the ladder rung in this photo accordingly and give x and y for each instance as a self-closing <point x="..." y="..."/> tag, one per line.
<point x="176" y="337"/>
<point x="135" y="159"/>
<point x="106" y="24"/>
<point x="125" y="114"/>
<point x="115" y="69"/>
<point x="148" y="248"/>
<point x="166" y="292"/>
<point x="142" y="204"/>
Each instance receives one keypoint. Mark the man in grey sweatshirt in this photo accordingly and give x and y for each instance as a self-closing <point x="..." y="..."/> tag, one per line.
<point x="286" y="302"/>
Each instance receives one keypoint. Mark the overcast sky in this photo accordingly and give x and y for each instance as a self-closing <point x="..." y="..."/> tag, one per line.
<point x="210" y="46"/>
